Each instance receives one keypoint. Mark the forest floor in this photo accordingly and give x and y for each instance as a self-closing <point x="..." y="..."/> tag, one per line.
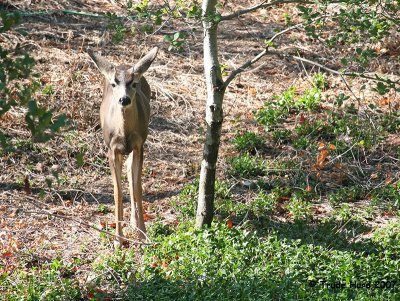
<point x="57" y="197"/>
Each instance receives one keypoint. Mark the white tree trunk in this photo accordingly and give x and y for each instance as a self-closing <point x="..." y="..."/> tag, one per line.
<point x="214" y="116"/>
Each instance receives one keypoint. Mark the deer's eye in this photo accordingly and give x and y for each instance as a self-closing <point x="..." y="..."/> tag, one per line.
<point x="128" y="84"/>
<point x="116" y="82"/>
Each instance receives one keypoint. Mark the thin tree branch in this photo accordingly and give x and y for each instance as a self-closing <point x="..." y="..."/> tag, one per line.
<point x="247" y="64"/>
<point x="351" y="74"/>
<point x="266" y="51"/>
<point x="66" y="217"/>
<point x="263" y="4"/>
<point x="283" y="31"/>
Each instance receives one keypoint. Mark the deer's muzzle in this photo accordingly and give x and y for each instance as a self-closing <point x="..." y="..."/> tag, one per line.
<point x="124" y="101"/>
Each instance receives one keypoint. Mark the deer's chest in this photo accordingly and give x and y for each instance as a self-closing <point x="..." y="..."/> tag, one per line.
<point x="121" y="130"/>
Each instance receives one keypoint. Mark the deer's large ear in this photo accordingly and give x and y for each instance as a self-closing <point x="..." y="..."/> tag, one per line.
<point x="144" y="63"/>
<point x="105" y="67"/>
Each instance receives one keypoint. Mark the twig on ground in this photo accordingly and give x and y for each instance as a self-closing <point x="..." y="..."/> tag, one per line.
<point x="65" y="217"/>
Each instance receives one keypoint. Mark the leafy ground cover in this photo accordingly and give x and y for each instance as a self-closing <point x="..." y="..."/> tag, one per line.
<point x="294" y="236"/>
<point x="307" y="197"/>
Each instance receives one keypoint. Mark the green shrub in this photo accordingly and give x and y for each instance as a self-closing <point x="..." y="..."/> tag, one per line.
<point x="388" y="238"/>
<point x="264" y="204"/>
<point x="281" y="135"/>
<point x="219" y="263"/>
<point x="299" y="208"/>
<point x="186" y="202"/>
<point x="319" y="81"/>
<point x="310" y="100"/>
<point x="17" y="87"/>
<point x="51" y="282"/>
<point x="346" y="194"/>
<point x="387" y="197"/>
<point x="248" y="142"/>
<point x="246" y="166"/>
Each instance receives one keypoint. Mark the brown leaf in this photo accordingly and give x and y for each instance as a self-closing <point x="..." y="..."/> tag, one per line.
<point x="6" y="254"/>
<point x="164" y="265"/>
<point x="319" y="210"/>
<point x="102" y="224"/>
<point x="321" y="158"/>
<point x="112" y="225"/>
<point x="252" y="91"/>
<point x="374" y="176"/>
<point x="302" y="119"/>
<point x="15" y="212"/>
<point x="388" y="181"/>
<point x="125" y="244"/>
<point x="229" y="223"/>
<point x="148" y="217"/>
<point x="154" y="264"/>
<point x="388" y="213"/>
<point x="384" y="101"/>
<point x="27" y="185"/>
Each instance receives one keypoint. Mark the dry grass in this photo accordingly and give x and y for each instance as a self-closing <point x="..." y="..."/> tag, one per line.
<point x="174" y="147"/>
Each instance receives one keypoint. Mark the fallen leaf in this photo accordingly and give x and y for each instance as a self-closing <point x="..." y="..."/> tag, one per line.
<point x="147" y="217"/>
<point x="384" y="101"/>
<point x="27" y="185"/>
<point x="112" y="225"/>
<point x="15" y="212"/>
<point x="321" y="145"/>
<point x="6" y="254"/>
<point x="374" y="176"/>
<point x="102" y="224"/>
<point x="321" y="158"/>
<point x="125" y="244"/>
<point x="164" y="265"/>
<point x="388" y="181"/>
<point x="229" y="223"/>
<point x="318" y="210"/>
<point x="252" y="91"/>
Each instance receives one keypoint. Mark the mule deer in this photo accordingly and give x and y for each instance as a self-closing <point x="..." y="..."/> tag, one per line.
<point x="124" y="116"/>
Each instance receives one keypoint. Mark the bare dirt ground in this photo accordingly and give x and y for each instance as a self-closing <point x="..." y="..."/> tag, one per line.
<point x="58" y="41"/>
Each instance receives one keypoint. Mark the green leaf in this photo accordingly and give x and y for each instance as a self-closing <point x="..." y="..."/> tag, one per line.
<point x="168" y="38"/>
<point x="79" y="159"/>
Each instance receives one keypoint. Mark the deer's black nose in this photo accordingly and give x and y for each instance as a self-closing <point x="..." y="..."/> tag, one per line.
<point x="124" y="101"/>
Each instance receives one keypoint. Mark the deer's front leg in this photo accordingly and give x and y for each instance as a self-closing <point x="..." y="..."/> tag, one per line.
<point x="134" y="167"/>
<point x="115" y="160"/>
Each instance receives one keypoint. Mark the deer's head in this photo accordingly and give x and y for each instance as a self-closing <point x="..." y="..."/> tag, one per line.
<point x="122" y="80"/>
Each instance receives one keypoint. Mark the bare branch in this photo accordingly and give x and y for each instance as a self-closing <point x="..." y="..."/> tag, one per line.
<point x="282" y="32"/>
<point x="49" y="213"/>
<point x="263" y="4"/>
<point x="266" y="51"/>
<point x="340" y="73"/>
<point x="247" y="64"/>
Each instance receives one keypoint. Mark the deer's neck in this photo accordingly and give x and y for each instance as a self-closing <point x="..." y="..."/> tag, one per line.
<point x="119" y="127"/>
